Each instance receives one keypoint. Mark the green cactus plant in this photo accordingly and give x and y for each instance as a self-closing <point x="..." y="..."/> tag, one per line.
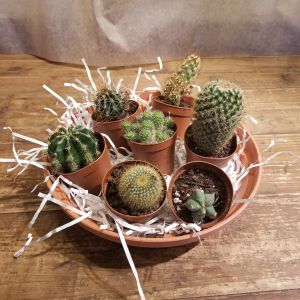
<point x="141" y="187"/>
<point x="110" y="105"/>
<point x="149" y="127"/>
<point x="70" y="149"/>
<point x="201" y="205"/>
<point x="219" y="108"/>
<point x="179" y="83"/>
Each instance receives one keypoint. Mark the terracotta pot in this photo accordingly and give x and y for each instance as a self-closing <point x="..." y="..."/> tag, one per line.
<point x="114" y="129"/>
<point x="90" y="177"/>
<point x="182" y="116"/>
<point x="130" y="219"/>
<point x="216" y="171"/>
<point x="160" y="154"/>
<point x="220" y="162"/>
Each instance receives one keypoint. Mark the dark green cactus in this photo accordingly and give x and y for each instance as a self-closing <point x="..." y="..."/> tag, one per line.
<point x="72" y="148"/>
<point x="110" y="105"/>
<point x="149" y="127"/>
<point x="219" y="109"/>
<point x="201" y="205"/>
<point x="141" y="187"/>
<point x="179" y="83"/>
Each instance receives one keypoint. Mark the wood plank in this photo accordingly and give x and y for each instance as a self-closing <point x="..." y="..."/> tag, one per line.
<point x="255" y="257"/>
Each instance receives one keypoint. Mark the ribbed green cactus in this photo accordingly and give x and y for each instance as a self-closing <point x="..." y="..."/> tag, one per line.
<point x="72" y="148"/>
<point x="141" y="187"/>
<point x="201" y="205"/>
<point x="179" y="83"/>
<point x="149" y="127"/>
<point x="219" y="109"/>
<point x="110" y="105"/>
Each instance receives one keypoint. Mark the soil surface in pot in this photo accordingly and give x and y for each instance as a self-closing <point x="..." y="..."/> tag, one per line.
<point x="226" y="151"/>
<point x="192" y="180"/>
<point x="182" y="103"/>
<point x="114" y="199"/>
<point x="133" y="106"/>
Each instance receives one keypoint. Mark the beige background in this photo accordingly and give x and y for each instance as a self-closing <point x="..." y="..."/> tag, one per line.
<point x="113" y="33"/>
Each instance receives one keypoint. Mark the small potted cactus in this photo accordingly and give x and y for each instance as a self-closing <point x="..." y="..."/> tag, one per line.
<point x="112" y="107"/>
<point x="134" y="190"/>
<point x="175" y="99"/>
<point x="212" y="136"/>
<point x="151" y="137"/>
<point x="200" y="193"/>
<point x="80" y="155"/>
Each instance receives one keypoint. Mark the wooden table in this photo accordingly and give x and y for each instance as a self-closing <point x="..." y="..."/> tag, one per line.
<point x="255" y="257"/>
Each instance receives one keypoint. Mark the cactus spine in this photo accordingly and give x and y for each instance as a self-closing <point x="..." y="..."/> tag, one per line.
<point x="72" y="148"/>
<point x="219" y="108"/>
<point x="141" y="187"/>
<point x="179" y="83"/>
<point x="201" y="205"/>
<point x="110" y="105"/>
<point x="149" y="127"/>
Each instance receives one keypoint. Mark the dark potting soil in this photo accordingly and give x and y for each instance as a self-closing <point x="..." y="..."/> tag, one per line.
<point x="194" y="179"/>
<point x="181" y="104"/>
<point x="114" y="199"/>
<point x="228" y="149"/>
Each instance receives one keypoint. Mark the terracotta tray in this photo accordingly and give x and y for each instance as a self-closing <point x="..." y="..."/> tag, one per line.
<point x="247" y="191"/>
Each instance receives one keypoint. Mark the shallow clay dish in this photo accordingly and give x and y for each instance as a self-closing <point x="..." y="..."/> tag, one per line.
<point x="247" y="191"/>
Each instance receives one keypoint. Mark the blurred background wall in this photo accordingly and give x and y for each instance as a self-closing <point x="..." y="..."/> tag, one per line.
<point x="126" y="32"/>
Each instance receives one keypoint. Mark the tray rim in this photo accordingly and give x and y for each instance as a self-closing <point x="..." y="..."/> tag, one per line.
<point x="169" y="241"/>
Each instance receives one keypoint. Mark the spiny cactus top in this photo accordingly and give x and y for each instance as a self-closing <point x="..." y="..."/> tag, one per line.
<point x="149" y="127"/>
<point x="200" y="205"/>
<point x="179" y="83"/>
<point x="141" y="187"/>
<point x="72" y="148"/>
<point x="219" y="109"/>
<point x="110" y="105"/>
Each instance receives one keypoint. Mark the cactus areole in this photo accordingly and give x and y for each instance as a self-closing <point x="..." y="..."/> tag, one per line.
<point x="73" y="148"/>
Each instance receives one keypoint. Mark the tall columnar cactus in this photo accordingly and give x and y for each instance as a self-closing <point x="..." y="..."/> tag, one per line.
<point x="72" y="148"/>
<point x="219" y="109"/>
<point x="149" y="127"/>
<point x="141" y="187"/>
<point x="110" y="105"/>
<point x="201" y="205"/>
<point x="179" y="83"/>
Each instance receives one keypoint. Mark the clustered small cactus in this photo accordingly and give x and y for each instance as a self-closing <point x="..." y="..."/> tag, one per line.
<point x="219" y="109"/>
<point x="72" y="148"/>
<point x="149" y="127"/>
<point x="110" y="105"/>
<point x="179" y="83"/>
<point x="141" y="187"/>
<point x="201" y="205"/>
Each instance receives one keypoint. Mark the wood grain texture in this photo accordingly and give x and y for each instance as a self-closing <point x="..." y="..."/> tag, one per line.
<point x="255" y="257"/>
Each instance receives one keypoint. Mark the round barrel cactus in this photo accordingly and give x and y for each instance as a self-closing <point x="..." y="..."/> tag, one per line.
<point x="219" y="108"/>
<point x="110" y="105"/>
<point x="179" y="83"/>
<point x="72" y="148"/>
<point x="141" y="187"/>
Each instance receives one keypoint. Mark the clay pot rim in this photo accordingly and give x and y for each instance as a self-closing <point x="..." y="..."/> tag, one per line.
<point x="131" y="218"/>
<point x="213" y="157"/>
<point x="81" y="170"/>
<point x="175" y="106"/>
<point x="121" y="120"/>
<point x="217" y="171"/>
<point x="155" y="144"/>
